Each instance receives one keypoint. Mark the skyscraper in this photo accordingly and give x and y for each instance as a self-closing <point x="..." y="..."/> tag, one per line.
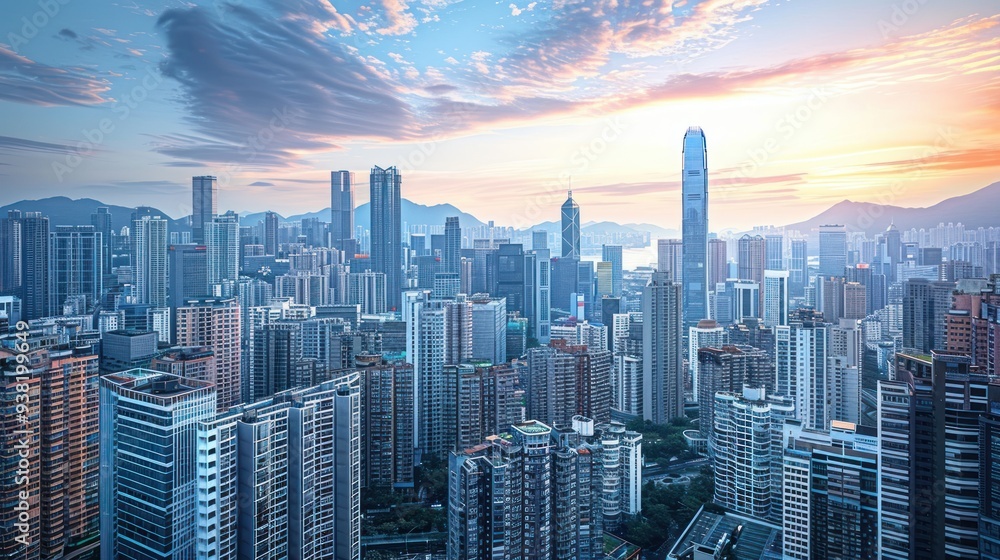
<point x="149" y="259"/>
<point x="101" y="220"/>
<point x="832" y="250"/>
<point x="215" y="323"/>
<point x="570" y="228"/>
<point x="694" y="190"/>
<point x="10" y="253"/>
<point x="752" y="258"/>
<point x="386" y="231"/>
<point x="188" y="272"/>
<point x="342" y="211"/>
<point x="204" y="205"/>
<point x="613" y="255"/>
<point x="222" y="235"/>
<point x="76" y="266"/>
<point x="539" y="240"/>
<point x="34" y="265"/>
<point x="775" y="310"/>
<point x="925" y="309"/>
<point x="270" y="233"/>
<point x="802" y="375"/>
<point x="451" y="259"/>
<point x="670" y="257"/>
<point x="149" y="508"/>
<point x="663" y="353"/>
<point x="718" y="266"/>
<point x="798" y="272"/>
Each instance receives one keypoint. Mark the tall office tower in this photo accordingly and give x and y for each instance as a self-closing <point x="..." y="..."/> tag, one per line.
<point x="717" y="264"/>
<point x="10" y="253"/>
<point x="706" y="334"/>
<point x="585" y="290"/>
<point x="830" y="497"/>
<point x="694" y="220"/>
<point x="830" y="297"/>
<point x="222" y="237"/>
<point x="342" y="211"/>
<point x="387" y="231"/>
<point x="752" y="258"/>
<point x="570" y="228"/>
<point x="204" y="206"/>
<point x="775" y="310"/>
<point x="188" y="272"/>
<point x="728" y="369"/>
<point x="386" y="424"/>
<point x="928" y="418"/>
<point x="801" y="357"/>
<point x="447" y="285"/>
<point x="746" y="439"/>
<point x="122" y="350"/>
<point x="489" y="329"/>
<point x="894" y="251"/>
<point x="34" y="265"/>
<point x="451" y="258"/>
<point x="540" y="320"/>
<point x="774" y="258"/>
<point x="509" y="277"/>
<point x="855" y="301"/>
<point x="989" y="486"/>
<point x="101" y="220"/>
<point x="270" y="233"/>
<point x="215" y="323"/>
<point x="613" y="255"/>
<point x="604" y="279"/>
<point x="418" y="244"/>
<point x="565" y="283"/>
<point x="663" y="352"/>
<point x="50" y="481"/>
<point x="76" y="266"/>
<point x="969" y="327"/>
<point x="149" y="508"/>
<point x="832" y="251"/>
<point x="925" y="311"/>
<point x="844" y="364"/>
<point x="798" y="268"/>
<point x="746" y="300"/>
<point x="670" y="257"/>
<point x="149" y="260"/>
<point x="427" y="267"/>
<point x="539" y="240"/>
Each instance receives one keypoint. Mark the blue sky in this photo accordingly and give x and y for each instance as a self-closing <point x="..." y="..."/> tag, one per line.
<point x="493" y="106"/>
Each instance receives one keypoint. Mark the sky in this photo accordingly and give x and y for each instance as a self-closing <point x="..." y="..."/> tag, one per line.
<point x="500" y="107"/>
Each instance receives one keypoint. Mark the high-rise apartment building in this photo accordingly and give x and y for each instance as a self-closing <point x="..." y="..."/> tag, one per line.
<point x="34" y="264"/>
<point x="706" y="334"/>
<point x="101" y="220"/>
<point x="752" y="258"/>
<point x="694" y="226"/>
<point x="670" y="257"/>
<point x="802" y="375"/>
<point x="270" y="236"/>
<point x="774" y="253"/>
<point x="925" y="310"/>
<point x="727" y="369"/>
<point x="215" y="323"/>
<point x="222" y="238"/>
<point x="775" y="288"/>
<point x="149" y="259"/>
<point x="718" y="266"/>
<point x="798" y="267"/>
<point x="663" y="352"/>
<point x="489" y="329"/>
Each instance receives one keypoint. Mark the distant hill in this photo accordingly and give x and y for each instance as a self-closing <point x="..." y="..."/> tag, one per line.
<point x="976" y="209"/>
<point x="64" y="211"/>
<point x="607" y="228"/>
<point x="413" y="213"/>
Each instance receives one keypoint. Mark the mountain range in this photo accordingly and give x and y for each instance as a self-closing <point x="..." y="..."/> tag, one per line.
<point x="975" y="209"/>
<point x="979" y="208"/>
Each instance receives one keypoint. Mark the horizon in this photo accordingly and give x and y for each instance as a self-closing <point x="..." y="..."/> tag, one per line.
<point x="493" y="108"/>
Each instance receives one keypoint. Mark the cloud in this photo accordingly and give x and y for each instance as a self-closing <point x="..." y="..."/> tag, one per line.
<point x="262" y="92"/>
<point x="400" y="21"/>
<point x="12" y="144"/>
<point x="261" y="184"/>
<point x="23" y="80"/>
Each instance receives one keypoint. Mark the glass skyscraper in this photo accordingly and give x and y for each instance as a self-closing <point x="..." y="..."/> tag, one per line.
<point x="694" y="189"/>
<point x="204" y="205"/>
<point x="342" y="211"/>
<point x="386" y="231"/>
<point x="570" y="228"/>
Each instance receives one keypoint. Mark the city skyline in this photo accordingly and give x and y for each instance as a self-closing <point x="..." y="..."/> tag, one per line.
<point x="489" y="125"/>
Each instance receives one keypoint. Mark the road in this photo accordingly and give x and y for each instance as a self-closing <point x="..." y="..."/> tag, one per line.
<point x="660" y="470"/>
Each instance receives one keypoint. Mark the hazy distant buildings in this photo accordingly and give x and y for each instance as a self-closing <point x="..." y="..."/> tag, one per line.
<point x="694" y="190"/>
<point x="832" y="250"/>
